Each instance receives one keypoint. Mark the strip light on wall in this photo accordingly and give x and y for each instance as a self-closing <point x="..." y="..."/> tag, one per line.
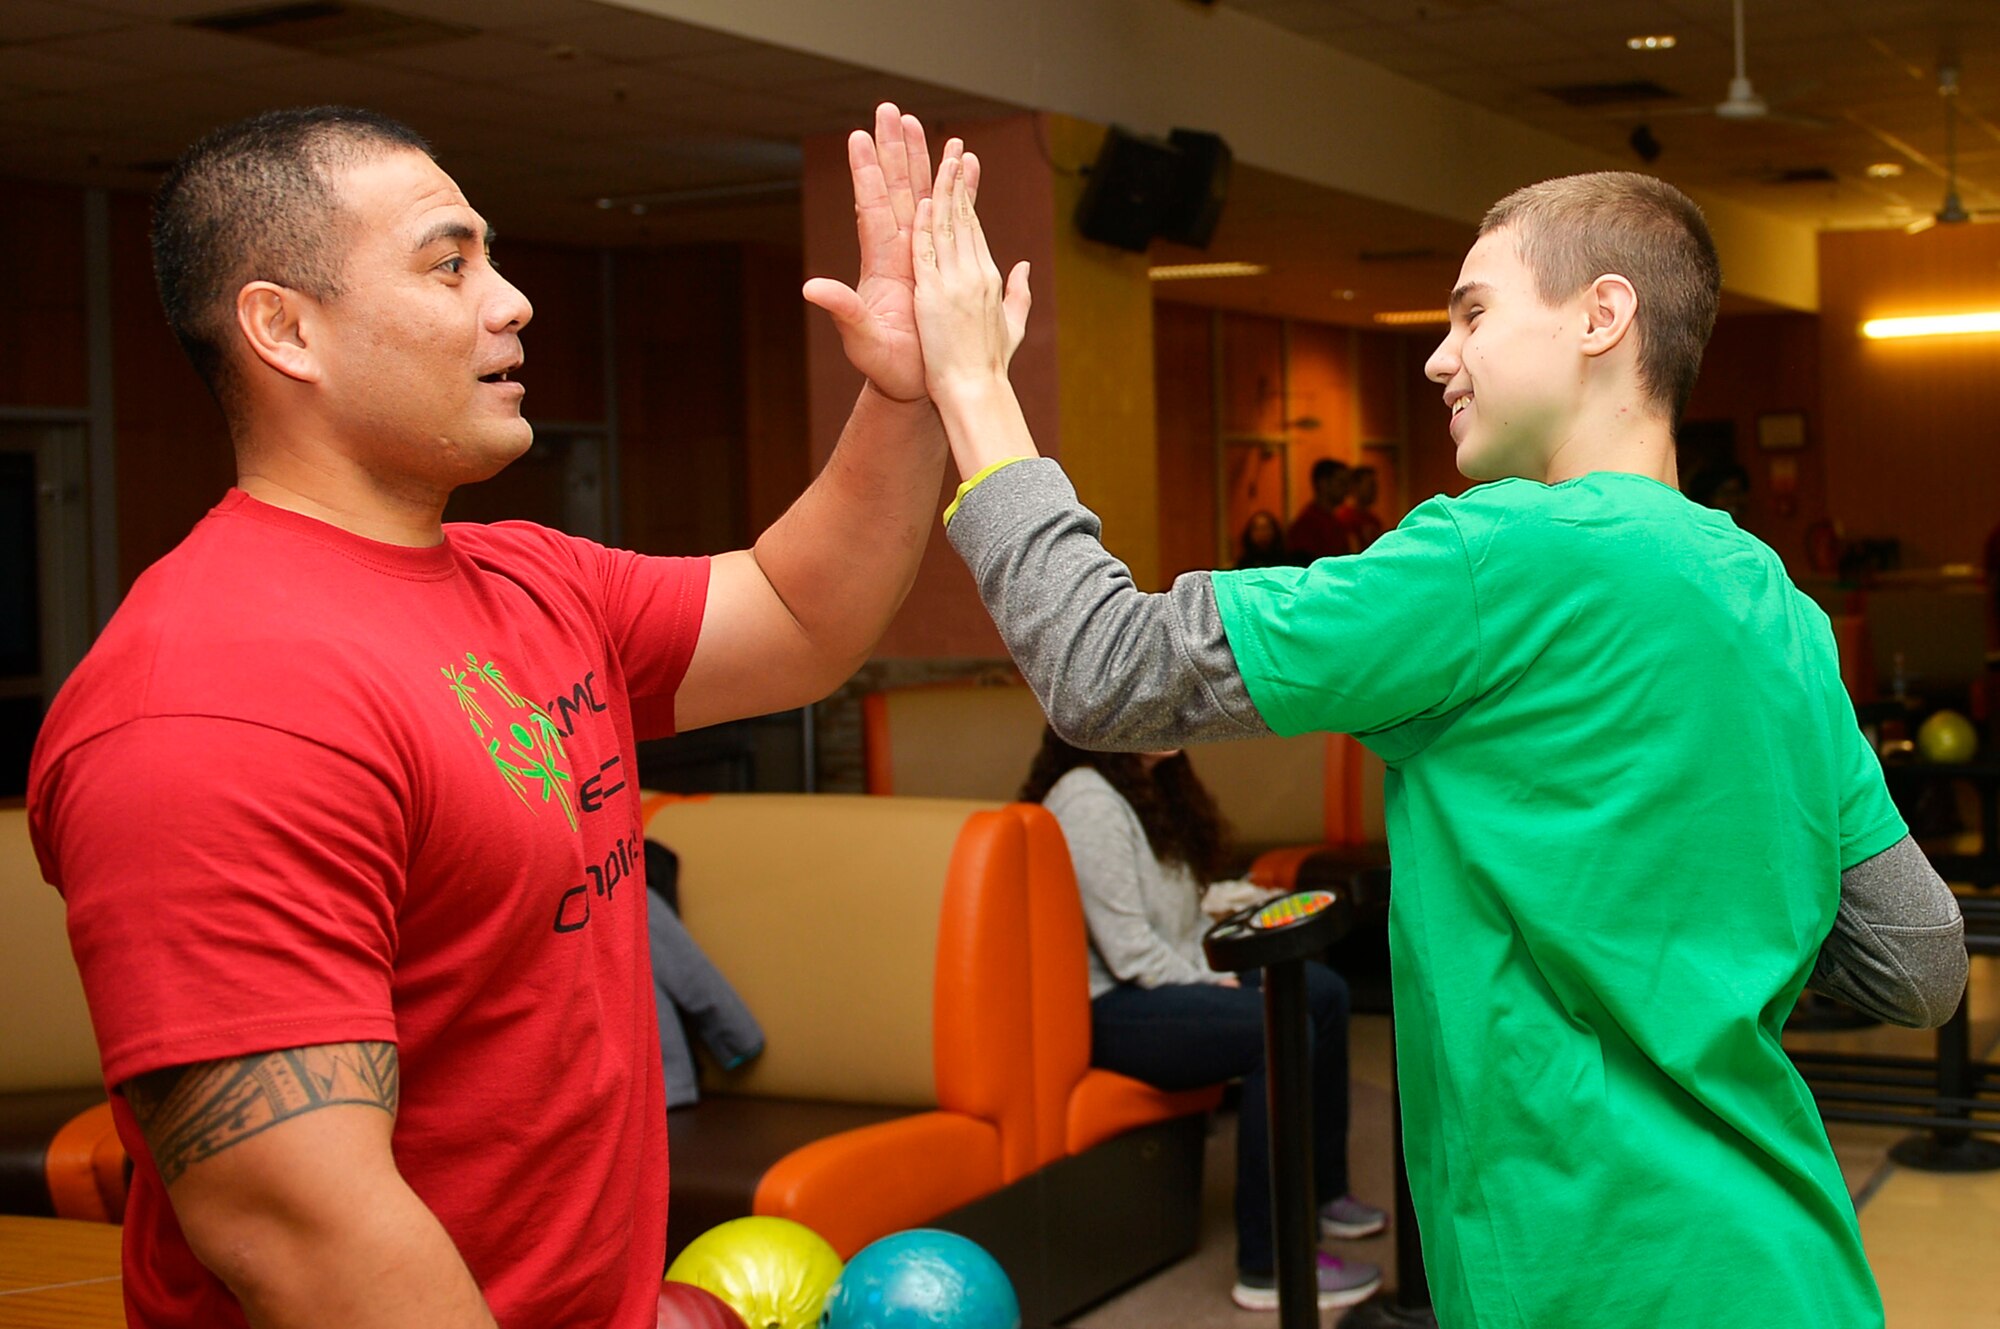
<point x="1412" y="317"/>
<point x="1945" y="325"/>
<point x="1190" y="271"/>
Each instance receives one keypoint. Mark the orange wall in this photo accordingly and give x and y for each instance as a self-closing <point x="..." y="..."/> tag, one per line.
<point x="942" y="618"/>
<point x="1338" y="387"/>
<point x="1910" y="425"/>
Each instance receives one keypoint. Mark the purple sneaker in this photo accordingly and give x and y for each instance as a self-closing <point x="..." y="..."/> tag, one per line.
<point x="1348" y="1218"/>
<point x="1341" y="1283"/>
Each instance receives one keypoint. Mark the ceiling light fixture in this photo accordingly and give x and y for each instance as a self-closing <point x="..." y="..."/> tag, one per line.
<point x="1193" y="271"/>
<point x="1411" y="317"/>
<point x="1653" y="41"/>
<point x="1884" y="170"/>
<point x="1944" y="325"/>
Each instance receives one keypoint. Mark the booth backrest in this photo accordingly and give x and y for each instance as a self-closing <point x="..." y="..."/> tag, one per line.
<point x="954" y="740"/>
<point x="823" y="912"/>
<point x="46" y="1041"/>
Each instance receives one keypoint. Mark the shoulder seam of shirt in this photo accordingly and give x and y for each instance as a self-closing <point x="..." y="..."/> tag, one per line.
<point x="1478" y="627"/>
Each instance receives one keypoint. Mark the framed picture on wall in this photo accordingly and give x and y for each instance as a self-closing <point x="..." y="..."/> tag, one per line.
<point x="1781" y="431"/>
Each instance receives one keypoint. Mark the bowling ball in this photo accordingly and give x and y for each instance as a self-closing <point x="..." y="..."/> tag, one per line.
<point x="1947" y="737"/>
<point x="922" y="1279"/>
<point x="771" y="1271"/>
<point x="685" y="1306"/>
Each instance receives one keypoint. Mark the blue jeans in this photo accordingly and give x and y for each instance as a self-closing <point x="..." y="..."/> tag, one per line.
<point x="1186" y="1036"/>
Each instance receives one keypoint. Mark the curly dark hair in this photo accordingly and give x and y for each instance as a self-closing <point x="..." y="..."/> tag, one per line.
<point x="1180" y="818"/>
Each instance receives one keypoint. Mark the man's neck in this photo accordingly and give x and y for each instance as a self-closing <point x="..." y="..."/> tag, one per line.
<point x="325" y="484"/>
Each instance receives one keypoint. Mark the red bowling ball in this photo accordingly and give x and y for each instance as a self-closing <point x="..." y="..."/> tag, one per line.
<point x="685" y="1306"/>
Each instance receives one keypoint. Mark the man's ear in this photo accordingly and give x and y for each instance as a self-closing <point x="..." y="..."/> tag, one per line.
<point x="1611" y="305"/>
<point x="276" y="322"/>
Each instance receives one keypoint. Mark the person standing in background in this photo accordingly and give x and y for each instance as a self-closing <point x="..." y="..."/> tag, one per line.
<point x="1317" y="532"/>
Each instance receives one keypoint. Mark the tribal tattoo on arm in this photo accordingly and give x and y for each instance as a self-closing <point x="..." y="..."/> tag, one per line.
<point x="189" y="1113"/>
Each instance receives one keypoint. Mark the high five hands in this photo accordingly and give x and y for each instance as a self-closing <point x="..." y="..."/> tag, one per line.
<point x="929" y="315"/>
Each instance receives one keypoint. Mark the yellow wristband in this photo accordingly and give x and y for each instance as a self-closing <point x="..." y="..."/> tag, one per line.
<point x="975" y="482"/>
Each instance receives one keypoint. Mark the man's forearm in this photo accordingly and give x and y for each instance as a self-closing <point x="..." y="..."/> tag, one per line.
<point x="1115" y="669"/>
<point x="388" y="1264"/>
<point x="844" y="556"/>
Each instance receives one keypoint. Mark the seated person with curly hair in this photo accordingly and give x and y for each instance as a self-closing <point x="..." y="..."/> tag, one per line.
<point x="1147" y="840"/>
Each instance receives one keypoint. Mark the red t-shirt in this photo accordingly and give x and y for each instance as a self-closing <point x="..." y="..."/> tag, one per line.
<point x="1317" y="533"/>
<point x="1363" y="527"/>
<point x="308" y="788"/>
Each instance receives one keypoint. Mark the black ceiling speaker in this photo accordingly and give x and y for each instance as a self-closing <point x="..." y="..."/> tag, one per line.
<point x="1143" y="187"/>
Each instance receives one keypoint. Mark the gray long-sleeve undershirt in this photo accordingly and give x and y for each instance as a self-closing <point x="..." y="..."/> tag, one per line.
<point x="1117" y="669"/>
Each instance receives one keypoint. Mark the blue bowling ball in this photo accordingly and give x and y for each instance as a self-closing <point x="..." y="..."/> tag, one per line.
<point x="922" y="1279"/>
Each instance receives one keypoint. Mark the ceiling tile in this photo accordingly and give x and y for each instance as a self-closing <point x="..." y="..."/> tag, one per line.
<point x="487" y="58"/>
<point x="768" y="68"/>
<point x="46" y="71"/>
<point x="38" y="20"/>
<point x="637" y="38"/>
<point x="168" y="48"/>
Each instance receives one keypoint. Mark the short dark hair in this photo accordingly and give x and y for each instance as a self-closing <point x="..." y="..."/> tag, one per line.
<point x="1573" y="230"/>
<point x="1326" y="468"/>
<point x="254" y="201"/>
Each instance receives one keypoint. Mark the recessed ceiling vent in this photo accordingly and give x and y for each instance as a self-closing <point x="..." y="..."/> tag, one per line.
<point x="328" y="27"/>
<point x="1621" y="93"/>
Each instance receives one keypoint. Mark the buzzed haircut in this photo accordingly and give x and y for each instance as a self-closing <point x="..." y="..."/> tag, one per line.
<point x="255" y="201"/>
<point x="1326" y="468"/>
<point x="1573" y="230"/>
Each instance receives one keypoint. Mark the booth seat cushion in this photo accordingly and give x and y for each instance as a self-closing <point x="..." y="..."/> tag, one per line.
<point x="862" y="1184"/>
<point x="1107" y="1104"/>
<point x="719" y="1150"/>
<point x="31" y="1122"/>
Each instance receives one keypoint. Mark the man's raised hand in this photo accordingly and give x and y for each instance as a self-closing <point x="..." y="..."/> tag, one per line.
<point x="877" y="315"/>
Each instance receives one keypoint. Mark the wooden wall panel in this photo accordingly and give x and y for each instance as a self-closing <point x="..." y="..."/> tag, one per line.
<point x="564" y="342"/>
<point x="1761" y="364"/>
<point x="1322" y="387"/>
<point x="1183" y="376"/>
<point x="44" y="355"/>
<point x="1909" y="433"/>
<point x="174" y="459"/>
<point x="681" y="399"/>
<point x="777" y="441"/>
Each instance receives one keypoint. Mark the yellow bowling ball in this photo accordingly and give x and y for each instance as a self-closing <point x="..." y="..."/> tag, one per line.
<point x="773" y="1272"/>
<point x="1947" y="737"/>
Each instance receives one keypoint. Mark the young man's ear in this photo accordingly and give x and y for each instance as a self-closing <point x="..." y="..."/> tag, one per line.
<point x="1611" y="304"/>
<point x="275" y="322"/>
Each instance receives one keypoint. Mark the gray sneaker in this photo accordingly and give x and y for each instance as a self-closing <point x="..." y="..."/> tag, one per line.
<point x="1348" y="1218"/>
<point x="1341" y="1283"/>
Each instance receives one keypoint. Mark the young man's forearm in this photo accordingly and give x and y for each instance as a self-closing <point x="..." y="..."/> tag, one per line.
<point x="844" y="556"/>
<point x="1114" y="668"/>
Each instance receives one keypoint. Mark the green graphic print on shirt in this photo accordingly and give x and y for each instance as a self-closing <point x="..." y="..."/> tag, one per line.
<point x="525" y="745"/>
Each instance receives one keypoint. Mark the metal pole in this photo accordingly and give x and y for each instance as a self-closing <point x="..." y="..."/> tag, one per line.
<point x="1295" y="1214"/>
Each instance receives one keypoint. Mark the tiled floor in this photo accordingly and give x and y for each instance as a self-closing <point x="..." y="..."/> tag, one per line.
<point x="1934" y="1240"/>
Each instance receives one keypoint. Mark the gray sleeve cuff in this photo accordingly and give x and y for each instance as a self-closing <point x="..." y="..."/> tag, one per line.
<point x="1114" y="668"/>
<point x="1897" y="949"/>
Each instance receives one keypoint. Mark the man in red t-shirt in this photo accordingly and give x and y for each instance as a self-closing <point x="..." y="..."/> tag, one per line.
<point x="1317" y="532"/>
<point x="342" y="802"/>
<point x="1356" y="513"/>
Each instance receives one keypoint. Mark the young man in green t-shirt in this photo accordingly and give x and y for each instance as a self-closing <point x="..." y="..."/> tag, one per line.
<point x="1630" y="812"/>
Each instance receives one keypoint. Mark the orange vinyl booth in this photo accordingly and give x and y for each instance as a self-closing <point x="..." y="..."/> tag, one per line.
<point x="919" y="968"/>
<point x="975" y="740"/>
<point x="59" y="1154"/>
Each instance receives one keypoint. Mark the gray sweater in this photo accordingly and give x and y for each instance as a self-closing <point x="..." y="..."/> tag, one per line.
<point x="1120" y="670"/>
<point x="1144" y="917"/>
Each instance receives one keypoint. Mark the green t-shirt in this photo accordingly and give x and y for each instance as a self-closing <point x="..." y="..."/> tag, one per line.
<point x="1624" y="779"/>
